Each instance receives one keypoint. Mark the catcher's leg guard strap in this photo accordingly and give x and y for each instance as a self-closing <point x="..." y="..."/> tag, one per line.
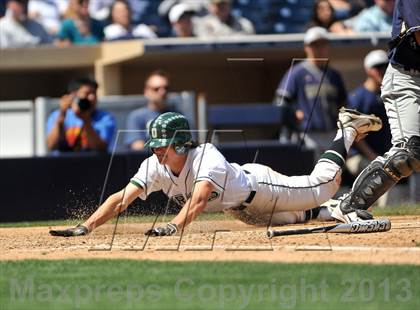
<point x="413" y="146"/>
<point x="398" y="166"/>
<point x="371" y="184"/>
<point x="376" y="179"/>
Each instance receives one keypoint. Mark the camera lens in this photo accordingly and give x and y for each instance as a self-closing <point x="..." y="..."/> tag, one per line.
<point x="84" y="104"/>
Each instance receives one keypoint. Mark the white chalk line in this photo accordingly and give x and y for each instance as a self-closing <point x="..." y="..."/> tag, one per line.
<point x="106" y="247"/>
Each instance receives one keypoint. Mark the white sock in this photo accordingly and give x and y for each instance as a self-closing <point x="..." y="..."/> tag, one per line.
<point x="349" y="135"/>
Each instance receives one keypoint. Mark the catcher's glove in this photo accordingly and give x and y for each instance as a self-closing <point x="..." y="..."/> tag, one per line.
<point x="79" y="230"/>
<point x="168" y="230"/>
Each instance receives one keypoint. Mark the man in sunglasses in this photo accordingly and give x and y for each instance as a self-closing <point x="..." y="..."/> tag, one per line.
<point x="198" y="177"/>
<point x="367" y="99"/>
<point x="156" y="90"/>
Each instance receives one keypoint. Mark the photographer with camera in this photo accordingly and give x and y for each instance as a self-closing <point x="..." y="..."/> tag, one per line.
<point x="77" y="125"/>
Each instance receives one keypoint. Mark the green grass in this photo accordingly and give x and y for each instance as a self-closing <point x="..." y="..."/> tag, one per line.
<point x="128" y="284"/>
<point x="397" y="210"/>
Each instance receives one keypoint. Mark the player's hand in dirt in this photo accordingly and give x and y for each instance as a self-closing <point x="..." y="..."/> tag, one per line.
<point x="168" y="230"/>
<point x="79" y="230"/>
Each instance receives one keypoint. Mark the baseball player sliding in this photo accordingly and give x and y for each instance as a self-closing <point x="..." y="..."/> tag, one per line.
<point x="199" y="177"/>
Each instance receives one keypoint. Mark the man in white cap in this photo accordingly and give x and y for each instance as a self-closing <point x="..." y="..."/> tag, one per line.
<point x="180" y="17"/>
<point x="315" y="106"/>
<point x="367" y="99"/>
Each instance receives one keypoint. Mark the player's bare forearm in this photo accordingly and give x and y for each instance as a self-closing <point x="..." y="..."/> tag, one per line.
<point x="195" y="205"/>
<point x="189" y="212"/>
<point x="115" y="204"/>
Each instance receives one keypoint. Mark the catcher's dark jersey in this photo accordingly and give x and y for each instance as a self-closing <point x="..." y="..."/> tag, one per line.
<point x="406" y="53"/>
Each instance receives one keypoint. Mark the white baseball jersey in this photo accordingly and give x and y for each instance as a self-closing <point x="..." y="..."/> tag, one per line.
<point x="274" y="192"/>
<point x="231" y="184"/>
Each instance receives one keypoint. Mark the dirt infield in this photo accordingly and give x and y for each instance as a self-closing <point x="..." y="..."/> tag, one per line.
<point x="233" y="241"/>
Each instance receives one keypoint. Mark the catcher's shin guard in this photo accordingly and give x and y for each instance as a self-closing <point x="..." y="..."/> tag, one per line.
<point x="378" y="178"/>
<point x="413" y="146"/>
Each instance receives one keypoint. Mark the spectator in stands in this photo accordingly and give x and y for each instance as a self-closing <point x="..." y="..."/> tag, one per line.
<point x="198" y="6"/>
<point x="100" y="9"/>
<point x="18" y="30"/>
<point x="78" y="125"/>
<point x="313" y="89"/>
<point x="344" y="9"/>
<point x="180" y="17"/>
<point x="324" y="16"/>
<point x="122" y="28"/>
<point x="221" y="22"/>
<point x="79" y="27"/>
<point x="2" y="8"/>
<point x="377" y="18"/>
<point x="47" y="13"/>
<point x="367" y="99"/>
<point x="155" y="90"/>
<point x="138" y="9"/>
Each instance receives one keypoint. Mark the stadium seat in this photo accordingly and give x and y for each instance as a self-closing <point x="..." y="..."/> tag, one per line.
<point x="275" y="16"/>
<point x="17" y="129"/>
<point x="245" y="117"/>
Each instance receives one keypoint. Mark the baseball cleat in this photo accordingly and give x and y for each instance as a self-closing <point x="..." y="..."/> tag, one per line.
<point x="346" y="216"/>
<point x="362" y="123"/>
<point x="329" y="206"/>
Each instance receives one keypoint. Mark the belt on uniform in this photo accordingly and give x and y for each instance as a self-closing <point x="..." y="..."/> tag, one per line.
<point x="408" y="69"/>
<point x="247" y="201"/>
<point x="250" y="197"/>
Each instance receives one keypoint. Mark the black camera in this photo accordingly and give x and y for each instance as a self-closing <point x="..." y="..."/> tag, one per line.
<point x="83" y="103"/>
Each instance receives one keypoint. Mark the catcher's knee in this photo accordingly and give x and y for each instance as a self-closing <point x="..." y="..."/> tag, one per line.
<point x="404" y="162"/>
<point x="379" y="176"/>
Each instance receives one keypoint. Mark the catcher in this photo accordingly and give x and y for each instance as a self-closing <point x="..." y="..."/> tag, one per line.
<point x="199" y="178"/>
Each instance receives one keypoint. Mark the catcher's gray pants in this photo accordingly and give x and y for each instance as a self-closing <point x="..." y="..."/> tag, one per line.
<point x="400" y="93"/>
<point x="401" y="96"/>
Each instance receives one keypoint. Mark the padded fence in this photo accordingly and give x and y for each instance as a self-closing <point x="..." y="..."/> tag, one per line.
<point x="71" y="185"/>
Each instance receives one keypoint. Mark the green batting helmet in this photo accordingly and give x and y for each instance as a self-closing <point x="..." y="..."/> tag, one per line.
<point x="169" y="128"/>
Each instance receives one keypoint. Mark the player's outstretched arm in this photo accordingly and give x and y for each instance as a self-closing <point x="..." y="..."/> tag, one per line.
<point x="115" y="204"/>
<point x="192" y="208"/>
<point x="195" y="205"/>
